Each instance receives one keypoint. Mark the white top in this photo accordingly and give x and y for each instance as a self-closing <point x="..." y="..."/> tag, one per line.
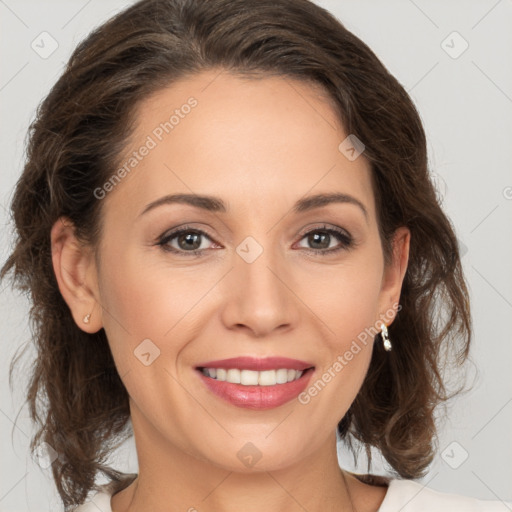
<point x="402" y="496"/>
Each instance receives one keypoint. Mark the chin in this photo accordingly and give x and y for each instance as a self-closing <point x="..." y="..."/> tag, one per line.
<point x="258" y="455"/>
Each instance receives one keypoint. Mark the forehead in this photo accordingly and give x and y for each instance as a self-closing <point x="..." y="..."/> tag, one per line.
<point x="257" y="139"/>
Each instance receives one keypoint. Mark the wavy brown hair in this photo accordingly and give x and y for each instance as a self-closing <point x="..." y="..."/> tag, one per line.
<point x="81" y="128"/>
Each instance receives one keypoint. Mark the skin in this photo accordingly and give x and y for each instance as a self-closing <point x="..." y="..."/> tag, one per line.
<point x="260" y="145"/>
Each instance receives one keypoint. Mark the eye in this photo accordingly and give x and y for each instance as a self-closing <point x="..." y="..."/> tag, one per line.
<point x="321" y="238"/>
<point x="184" y="240"/>
<point x="188" y="241"/>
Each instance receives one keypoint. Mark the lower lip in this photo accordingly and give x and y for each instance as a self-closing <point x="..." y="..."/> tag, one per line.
<point x="257" y="397"/>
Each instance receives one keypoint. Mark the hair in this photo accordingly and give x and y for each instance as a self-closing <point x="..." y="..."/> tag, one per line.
<point x="81" y="128"/>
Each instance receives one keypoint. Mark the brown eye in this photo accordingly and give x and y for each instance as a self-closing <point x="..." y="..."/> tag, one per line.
<point x="184" y="241"/>
<point x="319" y="240"/>
<point x="189" y="241"/>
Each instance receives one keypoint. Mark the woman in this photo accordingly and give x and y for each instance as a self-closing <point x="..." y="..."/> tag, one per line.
<point x="238" y="256"/>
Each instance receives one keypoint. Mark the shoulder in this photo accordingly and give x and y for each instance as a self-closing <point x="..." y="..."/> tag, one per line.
<point x="411" y="496"/>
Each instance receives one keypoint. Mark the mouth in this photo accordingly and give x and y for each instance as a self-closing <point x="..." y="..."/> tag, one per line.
<point x="246" y="377"/>
<point x="256" y="389"/>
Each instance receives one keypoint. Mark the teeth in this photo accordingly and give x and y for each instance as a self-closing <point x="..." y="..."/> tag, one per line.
<point x="251" y="377"/>
<point x="282" y="375"/>
<point x="233" y="375"/>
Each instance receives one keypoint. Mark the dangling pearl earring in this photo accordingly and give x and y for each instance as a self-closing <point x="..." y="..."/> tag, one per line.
<point x="87" y="318"/>
<point x="385" y="338"/>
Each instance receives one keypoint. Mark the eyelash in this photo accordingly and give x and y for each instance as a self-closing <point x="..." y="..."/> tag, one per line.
<point x="342" y="236"/>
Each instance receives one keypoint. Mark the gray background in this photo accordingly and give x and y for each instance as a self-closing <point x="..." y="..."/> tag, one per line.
<point x="465" y="102"/>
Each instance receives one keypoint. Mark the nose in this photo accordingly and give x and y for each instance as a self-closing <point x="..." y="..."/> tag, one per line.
<point x="259" y="296"/>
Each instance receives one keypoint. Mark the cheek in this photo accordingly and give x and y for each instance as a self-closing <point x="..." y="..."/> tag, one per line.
<point x="140" y="309"/>
<point x="347" y="352"/>
<point x="350" y="308"/>
<point x="144" y="298"/>
<point x="133" y="309"/>
<point x="351" y="300"/>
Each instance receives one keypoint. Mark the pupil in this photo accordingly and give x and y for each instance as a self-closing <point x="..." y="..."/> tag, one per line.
<point x="189" y="238"/>
<point x="317" y="236"/>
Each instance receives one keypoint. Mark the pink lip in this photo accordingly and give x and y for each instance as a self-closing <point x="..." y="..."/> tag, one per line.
<point x="253" y="363"/>
<point x="257" y="397"/>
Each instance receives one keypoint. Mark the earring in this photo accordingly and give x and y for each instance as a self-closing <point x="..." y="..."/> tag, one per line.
<point x="87" y="318"/>
<point x="385" y="338"/>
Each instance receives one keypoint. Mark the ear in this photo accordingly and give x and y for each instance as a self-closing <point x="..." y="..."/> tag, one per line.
<point x="75" y="270"/>
<point x="394" y="274"/>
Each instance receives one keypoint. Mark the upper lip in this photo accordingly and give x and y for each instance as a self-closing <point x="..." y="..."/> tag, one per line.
<point x="254" y="363"/>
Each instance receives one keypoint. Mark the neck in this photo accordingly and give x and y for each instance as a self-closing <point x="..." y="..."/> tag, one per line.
<point x="171" y="479"/>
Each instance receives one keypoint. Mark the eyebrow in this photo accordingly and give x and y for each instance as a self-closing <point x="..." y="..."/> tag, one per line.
<point x="215" y="204"/>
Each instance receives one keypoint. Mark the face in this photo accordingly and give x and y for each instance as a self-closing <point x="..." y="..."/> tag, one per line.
<point x="261" y="271"/>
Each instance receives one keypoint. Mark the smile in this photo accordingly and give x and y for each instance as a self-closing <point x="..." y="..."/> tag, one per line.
<point x="252" y="377"/>
<point x="257" y="390"/>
